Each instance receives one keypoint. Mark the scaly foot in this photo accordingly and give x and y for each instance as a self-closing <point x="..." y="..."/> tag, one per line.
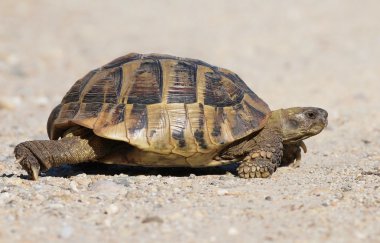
<point x="257" y="167"/>
<point x="28" y="161"/>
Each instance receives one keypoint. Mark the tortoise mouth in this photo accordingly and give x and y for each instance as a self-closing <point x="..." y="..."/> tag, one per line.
<point x="296" y="140"/>
<point x="305" y="134"/>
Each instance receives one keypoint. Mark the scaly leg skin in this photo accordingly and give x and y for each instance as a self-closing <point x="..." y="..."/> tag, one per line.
<point x="261" y="154"/>
<point x="292" y="154"/>
<point x="257" y="165"/>
<point x="259" y="168"/>
<point x="264" y="156"/>
<point x="36" y="156"/>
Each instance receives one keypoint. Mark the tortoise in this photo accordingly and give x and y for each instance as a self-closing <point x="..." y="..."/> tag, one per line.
<point x="164" y="111"/>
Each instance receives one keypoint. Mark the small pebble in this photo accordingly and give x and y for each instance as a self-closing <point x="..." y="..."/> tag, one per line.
<point x="107" y="187"/>
<point x="66" y="232"/>
<point x="39" y="197"/>
<point x="112" y="209"/>
<point x="192" y="176"/>
<point x="346" y="188"/>
<point x="221" y="192"/>
<point x="152" y="219"/>
<point x="175" y="190"/>
<point x="325" y="204"/>
<point x="233" y="231"/>
<point x="73" y="186"/>
<point x="4" y="195"/>
<point x="268" y="198"/>
<point x="122" y="181"/>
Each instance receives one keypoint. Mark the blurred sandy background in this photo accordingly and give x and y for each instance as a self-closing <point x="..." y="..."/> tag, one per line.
<point x="291" y="53"/>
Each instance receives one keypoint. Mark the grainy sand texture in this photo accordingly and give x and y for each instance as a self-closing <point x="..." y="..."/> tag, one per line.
<point x="291" y="53"/>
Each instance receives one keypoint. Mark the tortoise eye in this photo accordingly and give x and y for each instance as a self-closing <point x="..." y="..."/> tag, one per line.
<point x="311" y="115"/>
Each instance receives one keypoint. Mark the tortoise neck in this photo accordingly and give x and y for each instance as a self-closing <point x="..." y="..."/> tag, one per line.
<point x="275" y="121"/>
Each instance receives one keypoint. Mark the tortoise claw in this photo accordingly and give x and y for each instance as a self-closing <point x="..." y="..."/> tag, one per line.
<point x="18" y="161"/>
<point x="297" y="162"/>
<point x="303" y="146"/>
<point x="35" y="173"/>
<point x="30" y="165"/>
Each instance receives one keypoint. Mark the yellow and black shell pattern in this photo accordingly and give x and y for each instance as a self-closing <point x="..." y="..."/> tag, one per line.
<point x="162" y="104"/>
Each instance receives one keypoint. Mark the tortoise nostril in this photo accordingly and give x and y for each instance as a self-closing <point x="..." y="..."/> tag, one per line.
<point x="323" y="113"/>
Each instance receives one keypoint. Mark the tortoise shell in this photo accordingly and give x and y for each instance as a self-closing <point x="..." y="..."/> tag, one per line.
<point x="162" y="104"/>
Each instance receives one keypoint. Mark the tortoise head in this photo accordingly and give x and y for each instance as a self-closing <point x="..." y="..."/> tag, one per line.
<point x="299" y="123"/>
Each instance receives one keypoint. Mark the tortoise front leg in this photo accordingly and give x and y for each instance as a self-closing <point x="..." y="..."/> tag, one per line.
<point x="256" y="168"/>
<point x="36" y="156"/>
<point x="263" y="158"/>
<point x="292" y="154"/>
<point x="258" y="164"/>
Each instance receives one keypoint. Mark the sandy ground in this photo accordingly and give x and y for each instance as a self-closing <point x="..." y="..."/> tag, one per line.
<point x="292" y="53"/>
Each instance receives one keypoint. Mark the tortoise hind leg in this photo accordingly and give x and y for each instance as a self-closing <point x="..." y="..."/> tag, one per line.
<point x="45" y="154"/>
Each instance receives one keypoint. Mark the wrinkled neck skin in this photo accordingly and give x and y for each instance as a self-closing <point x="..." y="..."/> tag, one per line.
<point x="291" y="147"/>
<point x="278" y="123"/>
<point x="271" y="134"/>
<point x="275" y="122"/>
